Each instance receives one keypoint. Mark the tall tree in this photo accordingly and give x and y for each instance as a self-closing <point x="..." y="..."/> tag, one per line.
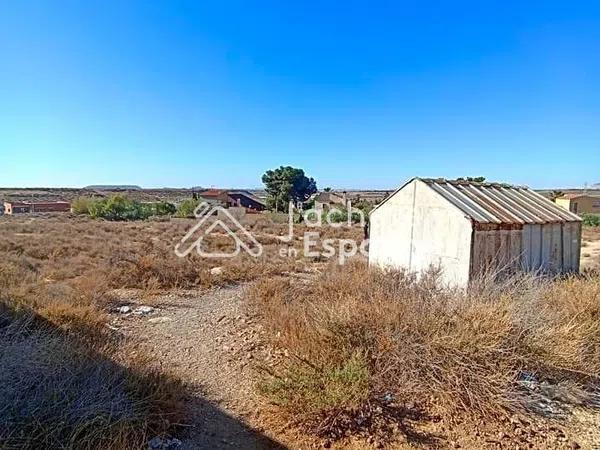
<point x="287" y="183"/>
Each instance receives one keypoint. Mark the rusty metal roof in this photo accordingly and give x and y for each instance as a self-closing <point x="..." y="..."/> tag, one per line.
<point x="498" y="202"/>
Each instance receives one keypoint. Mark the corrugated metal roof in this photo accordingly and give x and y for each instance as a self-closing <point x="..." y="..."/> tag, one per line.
<point x="499" y="203"/>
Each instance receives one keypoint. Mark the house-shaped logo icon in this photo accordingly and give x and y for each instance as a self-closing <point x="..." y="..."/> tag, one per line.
<point x="226" y="223"/>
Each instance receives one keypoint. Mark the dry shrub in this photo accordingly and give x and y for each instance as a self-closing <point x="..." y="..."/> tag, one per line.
<point x="60" y="384"/>
<point x="567" y="333"/>
<point x="57" y="392"/>
<point x="454" y="353"/>
<point x="61" y="271"/>
<point x="141" y="254"/>
<point x="153" y="270"/>
<point x="78" y="305"/>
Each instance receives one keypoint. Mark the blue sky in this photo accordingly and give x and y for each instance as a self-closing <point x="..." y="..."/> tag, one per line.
<point x="359" y="94"/>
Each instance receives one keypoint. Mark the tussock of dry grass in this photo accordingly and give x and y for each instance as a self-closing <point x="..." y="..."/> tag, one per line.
<point x="135" y="254"/>
<point x="62" y="385"/>
<point x="58" y="392"/>
<point x="357" y="334"/>
<point x="62" y="382"/>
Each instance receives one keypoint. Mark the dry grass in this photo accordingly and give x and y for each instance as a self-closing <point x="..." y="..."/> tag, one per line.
<point x="357" y="336"/>
<point x="63" y="384"/>
<point x="58" y="392"/>
<point x="134" y="254"/>
<point x="591" y="233"/>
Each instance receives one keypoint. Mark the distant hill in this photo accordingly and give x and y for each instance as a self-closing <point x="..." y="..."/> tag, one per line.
<point x="114" y="187"/>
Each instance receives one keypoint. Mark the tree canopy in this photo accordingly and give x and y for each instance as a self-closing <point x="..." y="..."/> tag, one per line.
<point x="287" y="183"/>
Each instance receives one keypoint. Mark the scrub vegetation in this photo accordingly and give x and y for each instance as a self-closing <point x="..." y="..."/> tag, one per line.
<point x="365" y="348"/>
<point x="119" y="207"/>
<point x="361" y="340"/>
<point x="591" y="220"/>
<point x="67" y="380"/>
<point x="62" y="384"/>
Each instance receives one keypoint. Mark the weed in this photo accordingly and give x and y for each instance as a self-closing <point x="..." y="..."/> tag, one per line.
<point x="356" y="333"/>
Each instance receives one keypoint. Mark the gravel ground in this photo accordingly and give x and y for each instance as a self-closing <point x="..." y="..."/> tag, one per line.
<point x="211" y="342"/>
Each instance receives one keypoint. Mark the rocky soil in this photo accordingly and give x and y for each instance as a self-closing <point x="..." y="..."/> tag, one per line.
<point x="590" y="254"/>
<point x="212" y="342"/>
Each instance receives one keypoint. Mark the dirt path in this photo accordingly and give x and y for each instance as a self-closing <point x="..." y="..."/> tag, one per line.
<point x="212" y="343"/>
<point x="590" y="254"/>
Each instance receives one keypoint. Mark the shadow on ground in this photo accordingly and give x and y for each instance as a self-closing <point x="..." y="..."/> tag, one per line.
<point x="213" y="428"/>
<point x="59" y="391"/>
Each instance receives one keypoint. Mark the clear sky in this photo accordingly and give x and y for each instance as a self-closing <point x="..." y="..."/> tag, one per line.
<point x="359" y="94"/>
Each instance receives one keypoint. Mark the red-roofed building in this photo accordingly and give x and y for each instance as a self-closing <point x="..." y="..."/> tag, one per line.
<point x="36" y="207"/>
<point x="227" y="199"/>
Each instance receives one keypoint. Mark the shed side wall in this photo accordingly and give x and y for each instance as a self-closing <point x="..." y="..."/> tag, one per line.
<point x="441" y="237"/>
<point x="390" y="230"/>
<point x="497" y="250"/>
<point x="552" y="247"/>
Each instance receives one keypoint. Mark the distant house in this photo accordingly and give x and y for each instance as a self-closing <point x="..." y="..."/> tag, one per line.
<point x="324" y="200"/>
<point x="226" y="198"/>
<point x="247" y="200"/>
<point x="36" y="207"/>
<point x="16" y="208"/>
<point x="43" y="207"/>
<point x="216" y="197"/>
<point x="580" y="203"/>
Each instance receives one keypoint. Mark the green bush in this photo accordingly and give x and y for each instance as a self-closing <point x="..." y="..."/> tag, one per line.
<point x="341" y="216"/>
<point x="336" y="216"/>
<point x="187" y="207"/>
<point x="312" y="390"/>
<point x="163" y="209"/>
<point x="591" y="220"/>
<point x="119" y="207"/>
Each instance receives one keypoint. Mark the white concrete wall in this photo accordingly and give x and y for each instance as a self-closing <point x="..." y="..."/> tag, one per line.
<point x="390" y="230"/>
<point x="416" y="229"/>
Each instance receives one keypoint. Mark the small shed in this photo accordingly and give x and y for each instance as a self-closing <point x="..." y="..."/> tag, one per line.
<point x="466" y="228"/>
